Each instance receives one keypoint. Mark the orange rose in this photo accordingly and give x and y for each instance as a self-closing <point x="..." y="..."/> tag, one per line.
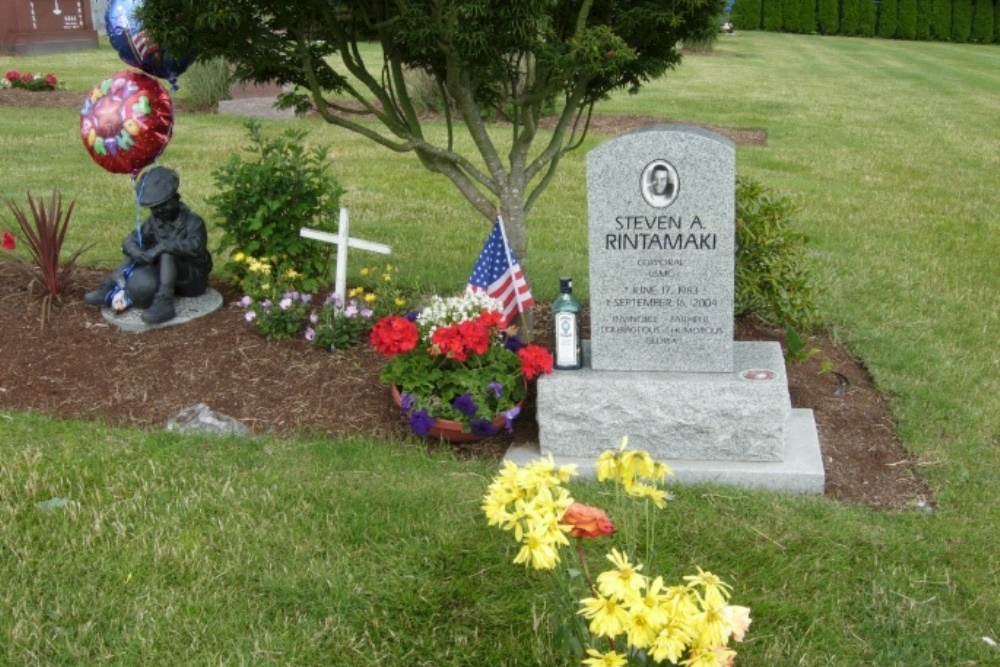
<point x="587" y="521"/>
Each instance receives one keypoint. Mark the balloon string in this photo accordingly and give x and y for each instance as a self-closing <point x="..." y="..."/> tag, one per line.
<point x="138" y="207"/>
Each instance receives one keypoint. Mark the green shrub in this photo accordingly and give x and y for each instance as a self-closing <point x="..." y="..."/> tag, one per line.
<point x="866" y="20"/>
<point x="961" y="21"/>
<point x="850" y="17"/>
<point x="264" y="202"/>
<point x="774" y="277"/>
<point x="888" y="15"/>
<point x="828" y="16"/>
<point x="941" y="19"/>
<point x="204" y="84"/>
<point x="807" y="17"/>
<point x="906" y="24"/>
<point x="772" y="15"/>
<point x="746" y="15"/>
<point x="982" y="22"/>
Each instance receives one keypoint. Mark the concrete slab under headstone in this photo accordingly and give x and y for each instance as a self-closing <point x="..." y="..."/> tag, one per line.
<point x="800" y="472"/>
<point x="188" y="308"/>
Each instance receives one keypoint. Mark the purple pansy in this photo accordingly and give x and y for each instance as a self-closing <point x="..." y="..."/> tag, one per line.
<point x="509" y="416"/>
<point x="513" y="343"/>
<point x="421" y="422"/>
<point x="412" y="316"/>
<point x="483" y="427"/>
<point x="465" y="405"/>
<point x="496" y="388"/>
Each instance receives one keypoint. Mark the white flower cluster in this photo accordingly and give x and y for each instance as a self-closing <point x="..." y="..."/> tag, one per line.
<point x="455" y="309"/>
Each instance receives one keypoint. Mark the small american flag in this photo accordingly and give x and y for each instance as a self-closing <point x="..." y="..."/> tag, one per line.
<point x="498" y="274"/>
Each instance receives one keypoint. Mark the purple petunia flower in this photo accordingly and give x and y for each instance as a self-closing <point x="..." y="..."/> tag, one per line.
<point x="366" y="313"/>
<point x="246" y="301"/>
<point x="496" y="388"/>
<point x="465" y="405"/>
<point x="509" y="416"/>
<point x="513" y="343"/>
<point x="412" y="316"/>
<point x="351" y="310"/>
<point x="406" y="401"/>
<point x="285" y="303"/>
<point x="483" y="427"/>
<point x="310" y="334"/>
<point x="250" y="316"/>
<point x="421" y="422"/>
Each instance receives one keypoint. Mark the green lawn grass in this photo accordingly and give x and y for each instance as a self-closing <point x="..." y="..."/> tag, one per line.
<point x="181" y="551"/>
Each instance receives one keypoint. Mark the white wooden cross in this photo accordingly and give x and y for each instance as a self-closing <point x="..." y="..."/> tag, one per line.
<point x="343" y="242"/>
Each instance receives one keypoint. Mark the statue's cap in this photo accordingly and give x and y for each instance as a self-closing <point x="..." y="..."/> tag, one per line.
<point x="157" y="186"/>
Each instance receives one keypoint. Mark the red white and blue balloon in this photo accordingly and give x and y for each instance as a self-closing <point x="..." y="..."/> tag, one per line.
<point x="126" y="122"/>
<point x="134" y="45"/>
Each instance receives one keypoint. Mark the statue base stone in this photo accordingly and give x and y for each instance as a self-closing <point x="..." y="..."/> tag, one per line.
<point x="188" y="308"/>
<point x="732" y="428"/>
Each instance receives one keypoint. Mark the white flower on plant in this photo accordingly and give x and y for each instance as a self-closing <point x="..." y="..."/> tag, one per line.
<point x="246" y="301"/>
<point x="250" y="316"/>
<point x="285" y="303"/>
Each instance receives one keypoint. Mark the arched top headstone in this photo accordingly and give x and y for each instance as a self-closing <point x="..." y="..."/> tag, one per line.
<point x="661" y="208"/>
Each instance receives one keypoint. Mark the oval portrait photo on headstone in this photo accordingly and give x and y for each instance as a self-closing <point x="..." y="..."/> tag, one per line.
<point x="659" y="184"/>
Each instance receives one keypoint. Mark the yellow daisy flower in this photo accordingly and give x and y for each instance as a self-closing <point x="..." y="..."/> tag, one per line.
<point x="623" y="582"/>
<point x="607" y="617"/>
<point x="609" y="659"/>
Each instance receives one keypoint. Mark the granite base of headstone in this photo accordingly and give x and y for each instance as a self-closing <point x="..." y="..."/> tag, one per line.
<point x="735" y="428"/>
<point x="188" y="308"/>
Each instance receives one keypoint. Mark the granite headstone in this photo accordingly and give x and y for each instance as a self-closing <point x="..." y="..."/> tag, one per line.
<point x="662" y="237"/>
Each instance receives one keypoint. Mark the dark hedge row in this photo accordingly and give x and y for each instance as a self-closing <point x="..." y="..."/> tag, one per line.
<point x="974" y="21"/>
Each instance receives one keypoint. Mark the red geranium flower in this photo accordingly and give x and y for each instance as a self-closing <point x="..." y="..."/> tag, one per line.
<point x="51" y="80"/>
<point x="475" y="337"/>
<point x="448" y="341"/>
<point x="534" y="361"/>
<point x="9" y="242"/>
<point x="394" y="334"/>
<point x="12" y="76"/>
<point x="26" y="77"/>
<point x="491" y="318"/>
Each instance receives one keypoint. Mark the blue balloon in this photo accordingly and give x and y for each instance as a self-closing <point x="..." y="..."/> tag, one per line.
<point x="134" y="45"/>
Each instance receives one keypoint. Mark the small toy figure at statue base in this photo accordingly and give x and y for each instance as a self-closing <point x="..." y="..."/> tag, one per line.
<point x="167" y="256"/>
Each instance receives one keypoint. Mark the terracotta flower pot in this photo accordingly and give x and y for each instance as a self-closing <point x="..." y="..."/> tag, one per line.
<point x="451" y="431"/>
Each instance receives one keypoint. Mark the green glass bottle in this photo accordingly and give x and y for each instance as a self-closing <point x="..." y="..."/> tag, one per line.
<point x="567" y="326"/>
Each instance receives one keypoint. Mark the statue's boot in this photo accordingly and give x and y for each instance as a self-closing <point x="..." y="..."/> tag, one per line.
<point x="98" y="296"/>
<point x="162" y="308"/>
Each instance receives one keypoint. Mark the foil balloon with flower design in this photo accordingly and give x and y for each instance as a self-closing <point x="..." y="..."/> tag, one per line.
<point x="126" y="122"/>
